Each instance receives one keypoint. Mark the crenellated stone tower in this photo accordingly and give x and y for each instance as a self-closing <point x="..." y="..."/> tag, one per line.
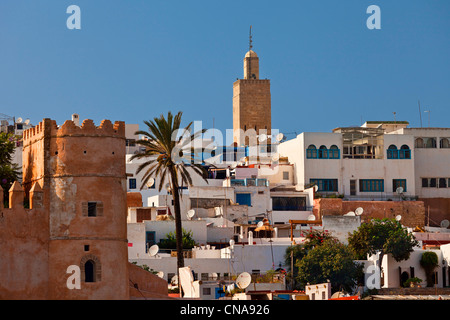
<point x="76" y="180"/>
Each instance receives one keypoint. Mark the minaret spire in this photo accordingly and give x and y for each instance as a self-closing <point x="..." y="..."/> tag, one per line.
<point x="250" y="46"/>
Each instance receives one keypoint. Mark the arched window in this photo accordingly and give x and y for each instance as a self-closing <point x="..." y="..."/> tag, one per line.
<point x="89" y="271"/>
<point x="444" y="143"/>
<point x="323" y="152"/>
<point x="311" y="152"/>
<point x="90" y="267"/>
<point x="419" y="143"/>
<point x="334" y="152"/>
<point x="405" y="152"/>
<point x="431" y="143"/>
<point x="392" y="152"/>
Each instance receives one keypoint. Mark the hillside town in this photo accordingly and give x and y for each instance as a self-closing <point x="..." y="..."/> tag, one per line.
<point x="93" y="214"/>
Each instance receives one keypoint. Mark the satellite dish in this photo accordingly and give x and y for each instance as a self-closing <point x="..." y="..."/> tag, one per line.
<point x="27" y="121"/>
<point x="160" y="274"/>
<point x="311" y="217"/>
<point x="232" y="243"/>
<point x="262" y="137"/>
<point x="174" y="280"/>
<point x="399" y="190"/>
<point x="350" y="214"/>
<point x="359" y="211"/>
<point x="153" y="250"/>
<point x="445" y="223"/>
<point x="167" y="187"/>
<point x="279" y="137"/>
<point x="150" y="182"/>
<point x="190" y="214"/>
<point x="398" y="217"/>
<point x="213" y="276"/>
<point x="243" y="280"/>
<point x="316" y="188"/>
<point x="276" y="157"/>
<point x="19" y="120"/>
<point x="260" y="224"/>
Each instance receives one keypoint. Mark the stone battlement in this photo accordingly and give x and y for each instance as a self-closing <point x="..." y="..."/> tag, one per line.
<point x="69" y="128"/>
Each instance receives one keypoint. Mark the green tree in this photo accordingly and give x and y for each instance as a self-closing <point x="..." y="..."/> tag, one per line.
<point x="168" y="154"/>
<point x="9" y="171"/>
<point x="331" y="261"/>
<point x="429" y="262"/>
<point x="382" y="236"/>
<point x="297" y="252"/>
<point x="170" y="241"/>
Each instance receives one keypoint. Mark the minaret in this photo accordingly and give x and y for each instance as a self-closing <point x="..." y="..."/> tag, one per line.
<point x="251" y="102"/>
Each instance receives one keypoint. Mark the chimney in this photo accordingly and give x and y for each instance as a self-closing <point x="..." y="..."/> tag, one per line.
<point x="76" y="119"/>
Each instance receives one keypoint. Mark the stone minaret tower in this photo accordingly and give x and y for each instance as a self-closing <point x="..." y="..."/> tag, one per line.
<point x="251" y="103"/>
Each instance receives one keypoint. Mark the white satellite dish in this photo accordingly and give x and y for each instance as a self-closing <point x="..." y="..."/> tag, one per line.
<point x="153" y="250"/>
<point x="19" y="120"/>
<point x="160" y="274"/>
<point x="276" y="157"/>
<point x="316" y="188"/>
<point x="398" y="217"/>
<point x="213" y="276"/>
<point x="150" y="182"/>
<point x="399" y="190"/>
<point x="190" y="214"/>
<point x="262" y="137"/>
<point x="174" y="280"/>
<point x="359" y="211"/>
<point x="260" y="224"/>
<point x="243" y="280"/>
<point x="27" y="121"/>
<point x="232" y="243"/>
<point x="279" y="137"/>
<point x="167" y="187"/>
<point x="350" y="214"/>
<point x="445" y="223"/>
<point x="311" y="217"/>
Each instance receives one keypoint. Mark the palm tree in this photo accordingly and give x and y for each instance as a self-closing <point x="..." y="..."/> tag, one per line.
<point x="169" y="155"/>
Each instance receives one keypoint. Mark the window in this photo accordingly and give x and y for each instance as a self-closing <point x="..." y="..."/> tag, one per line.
<point x="371" y="185"/>
<point x="425" y="143"/>
<point x="90" y="267"/>
<point x="323" y="152"/>
<point x="326" y="184"/>
<point x="444" y="143"/>
<point x="333" y="153"/>
<point x="392" y="152"/>
<point x="206" y="291"/>
<point x="442" y="183"/>
<point x="244" y="198"/>
<point x="396" y="183"/>
<point x="311" y="152"/>
<point x="132" y="183"/>
<point x="404" y="152"/>
<point x="433" y="182"/>
<point x="92" y="209"/>
<point x="285" y="175"/>
<point x="288" y="203"/>
<point x="149" y="239"/>
<point x="89" y="271"/>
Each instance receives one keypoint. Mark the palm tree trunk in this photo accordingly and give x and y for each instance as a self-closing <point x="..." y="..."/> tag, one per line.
<point x="178" y="227"/>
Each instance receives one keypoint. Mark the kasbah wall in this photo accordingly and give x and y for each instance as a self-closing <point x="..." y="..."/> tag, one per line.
<point x="67" y="171"/>
<point x="412" y="212"/>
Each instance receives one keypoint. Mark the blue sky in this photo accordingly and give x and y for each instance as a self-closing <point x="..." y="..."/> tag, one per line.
<point x="133" y="60"/>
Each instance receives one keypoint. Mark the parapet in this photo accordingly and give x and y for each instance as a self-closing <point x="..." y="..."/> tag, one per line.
<point x="69" y="128"/>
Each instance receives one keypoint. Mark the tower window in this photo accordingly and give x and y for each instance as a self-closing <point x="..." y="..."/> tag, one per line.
<point x="92" y="209"/>
<point x="89" y="274"/>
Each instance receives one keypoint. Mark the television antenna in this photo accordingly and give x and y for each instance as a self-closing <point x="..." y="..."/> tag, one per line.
<point x="359" y="211"/>
<point x="243" y="280"/>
